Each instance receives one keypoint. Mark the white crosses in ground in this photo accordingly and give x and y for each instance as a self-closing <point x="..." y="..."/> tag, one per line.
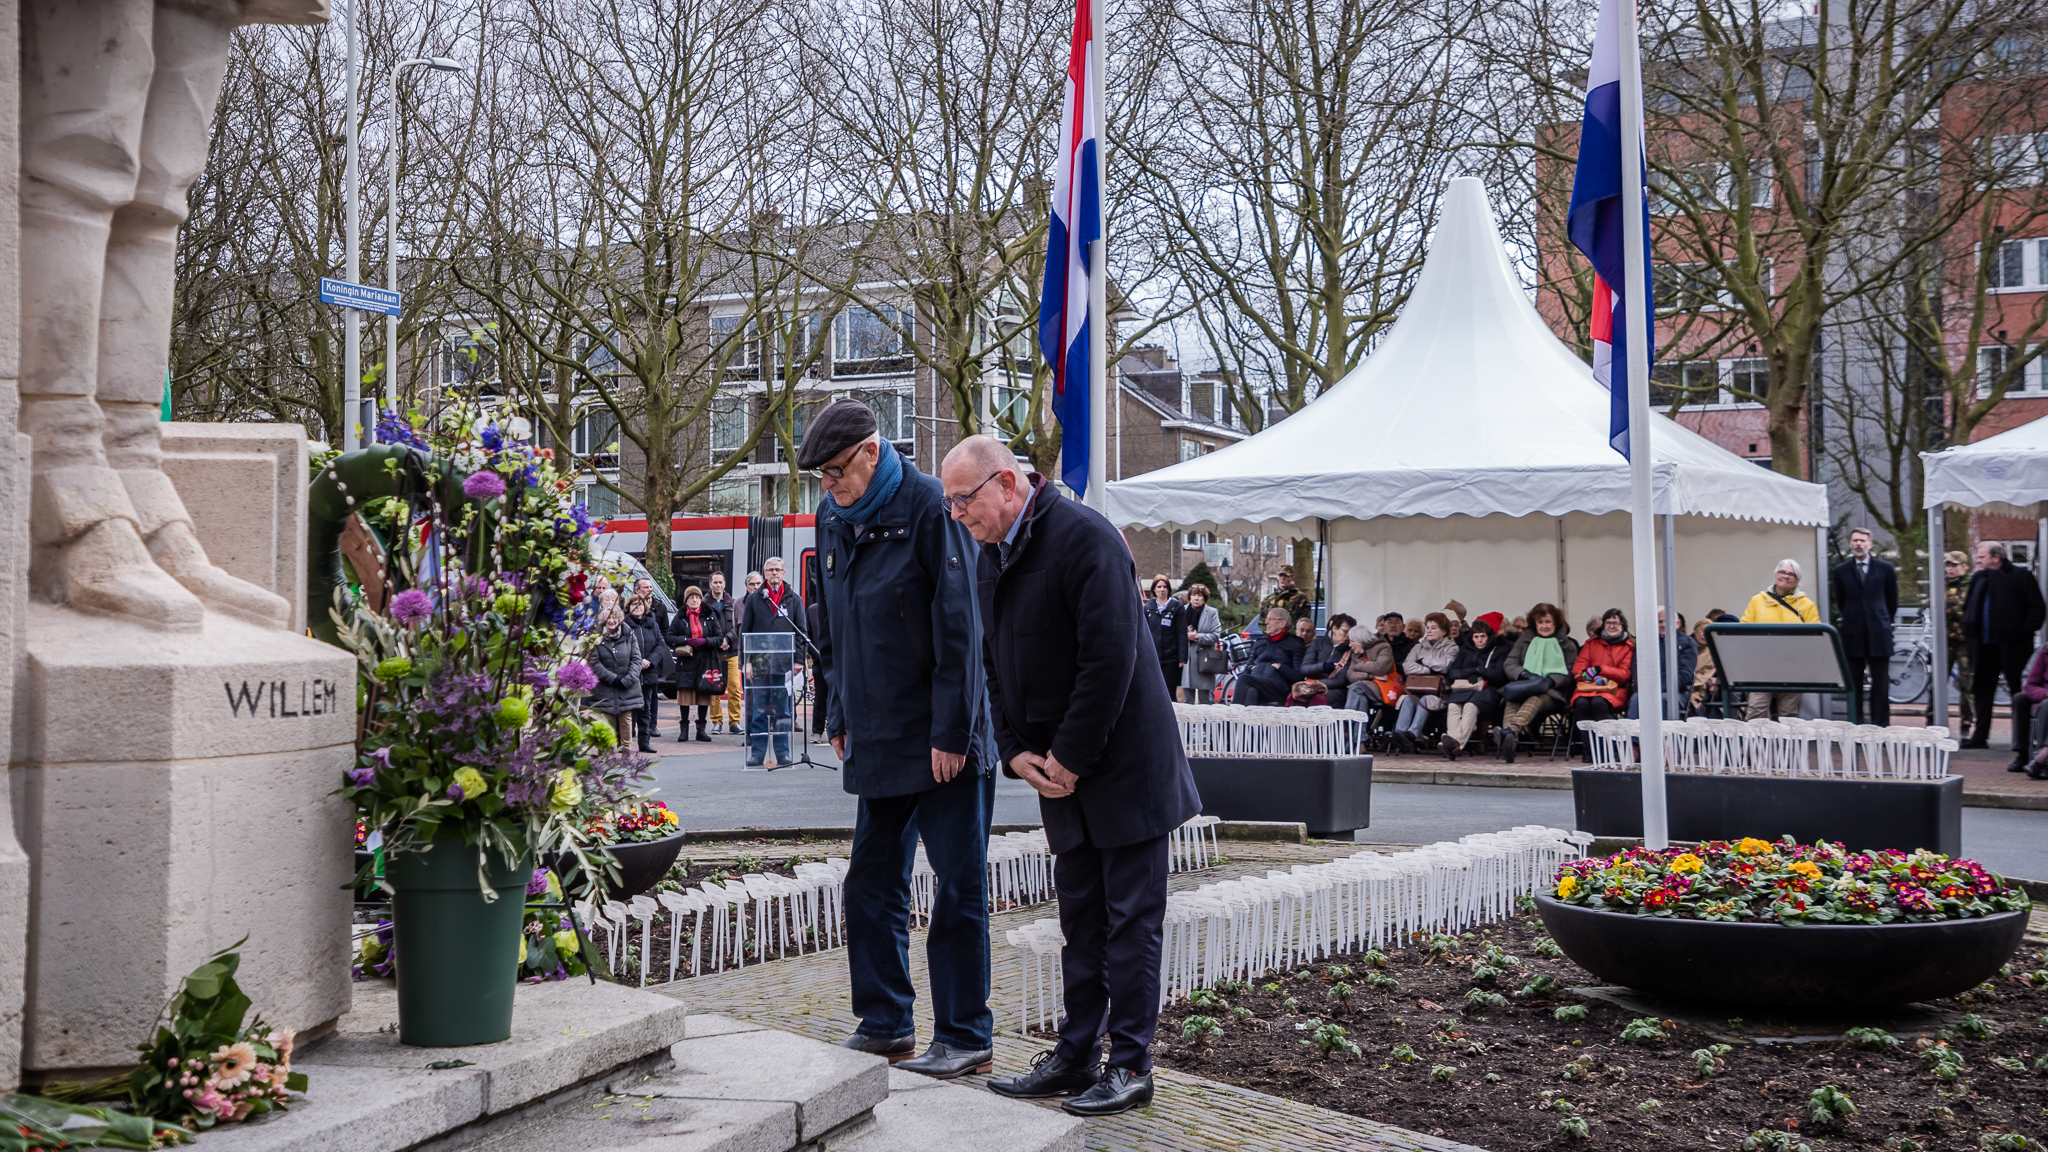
<point x="1814" y="748"/>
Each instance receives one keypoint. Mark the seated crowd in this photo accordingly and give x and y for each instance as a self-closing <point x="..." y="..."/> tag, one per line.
<point x="1435" y="681"/>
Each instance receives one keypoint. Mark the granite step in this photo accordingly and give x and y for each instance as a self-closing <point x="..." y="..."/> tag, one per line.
<point x="739" y="1087"/>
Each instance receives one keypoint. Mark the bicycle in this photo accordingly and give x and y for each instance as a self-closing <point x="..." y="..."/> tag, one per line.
<point x="1912" y="659"/>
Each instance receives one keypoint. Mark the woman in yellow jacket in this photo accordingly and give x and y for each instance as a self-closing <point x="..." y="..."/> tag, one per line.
<point x="1781" y="603"/>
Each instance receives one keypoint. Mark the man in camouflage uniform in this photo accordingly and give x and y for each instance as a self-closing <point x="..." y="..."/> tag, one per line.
<point x="1293" y="600"/>
<point x="1956" y="566"/>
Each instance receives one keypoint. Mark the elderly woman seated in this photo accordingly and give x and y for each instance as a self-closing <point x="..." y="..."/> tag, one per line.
<point x="1431" y="656"/>
<point x="1539" y="676"/>
<point x="1275" y="663"/>
<point x="1604" y="673"/>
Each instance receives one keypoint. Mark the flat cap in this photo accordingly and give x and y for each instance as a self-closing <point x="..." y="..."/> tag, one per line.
<point x="840" y="426"/>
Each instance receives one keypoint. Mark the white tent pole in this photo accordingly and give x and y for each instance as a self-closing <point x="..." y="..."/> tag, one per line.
<point x="1636" y="296"/>
<point x="1674" y="692"/>
<point x="1937" y="617"/>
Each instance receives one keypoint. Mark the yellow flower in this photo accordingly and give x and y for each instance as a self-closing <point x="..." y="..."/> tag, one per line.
<point x="1807" y="869"/>
<point x="565" y="942"/>
<point x="568" y="791"/>
<point x="522" y="947"/>
<point x="1687" y="862"/>
<point x="1568" y="885"/>
<point x="1750" y="846"/>
<point x="471" y="782"/>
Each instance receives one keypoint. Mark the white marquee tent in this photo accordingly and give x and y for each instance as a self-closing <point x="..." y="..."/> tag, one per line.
<point x="2007" y="475"/>
<point x="1468" y="457"/>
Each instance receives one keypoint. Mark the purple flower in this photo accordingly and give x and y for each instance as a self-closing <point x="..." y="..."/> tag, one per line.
<point x="485" y="485"/>
<point x="411" y="606"/>
<point x="539" y="883"/>
<point x="493" y="439"/>
<point x="455" y="792"/>
<point x="362" y="776"/>
<point x="576" y="676"/>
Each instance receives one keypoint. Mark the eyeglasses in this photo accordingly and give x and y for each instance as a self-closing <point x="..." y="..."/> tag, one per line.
<point x="953" y="504"/>
<point x="835" y="471"/>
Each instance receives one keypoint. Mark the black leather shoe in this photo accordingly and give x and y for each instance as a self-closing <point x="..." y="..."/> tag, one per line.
<point x="1510" y="742"/>
<point x="896" y="1048"/>
<point x="1051" y="1075"/>
<point x="2018" y="764"/>
<point x="943" y="1063"/>
<point x="1977" y="742"/>
<point x="1119" y="1090"/>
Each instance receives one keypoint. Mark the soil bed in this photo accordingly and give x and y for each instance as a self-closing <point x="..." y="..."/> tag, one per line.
<point x="1540" y="1060"/>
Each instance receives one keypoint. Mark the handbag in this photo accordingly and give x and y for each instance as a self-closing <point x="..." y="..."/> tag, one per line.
<point x="1211" y="662"/>
<point x="1425" y="684"/>
<point x="711" y="681"/>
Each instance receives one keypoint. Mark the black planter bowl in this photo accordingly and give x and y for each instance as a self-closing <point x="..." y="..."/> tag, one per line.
<point x="641" y="866"/>
<point x="1784" y="966"/>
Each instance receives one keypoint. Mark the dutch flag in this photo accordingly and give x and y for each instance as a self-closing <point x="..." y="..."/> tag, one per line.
<point x="1595" y="221"/>
<point x="1063" y="319"/>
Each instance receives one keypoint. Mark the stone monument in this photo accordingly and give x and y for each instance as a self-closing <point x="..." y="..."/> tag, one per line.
<point x="173" y="736"/>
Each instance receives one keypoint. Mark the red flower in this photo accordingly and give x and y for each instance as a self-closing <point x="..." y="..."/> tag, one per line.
<point x="576" y="583"/>
<point x="1659" y="898"/>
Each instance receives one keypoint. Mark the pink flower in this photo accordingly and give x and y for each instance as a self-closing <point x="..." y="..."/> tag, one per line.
<point x="411" y="606"/>
<point x="485" y="485"/>
<point x="233" y="1063"/>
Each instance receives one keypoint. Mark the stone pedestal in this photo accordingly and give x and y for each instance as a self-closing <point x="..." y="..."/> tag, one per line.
<point x="245" y="486"/>
<point x="173" y="794"/>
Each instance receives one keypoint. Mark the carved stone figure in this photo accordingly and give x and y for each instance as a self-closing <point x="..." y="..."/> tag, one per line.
<point x="117" y="97"/>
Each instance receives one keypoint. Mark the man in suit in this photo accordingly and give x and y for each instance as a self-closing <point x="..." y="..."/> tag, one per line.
<point x="1864" y="591"/>
<point x="1082" y="715"/>
<point x="773" y="608"/>
<point x="908" y="716"/>
<point x="2001" y="613"/>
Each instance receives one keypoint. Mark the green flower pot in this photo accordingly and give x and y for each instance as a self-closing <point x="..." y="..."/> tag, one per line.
<point x="458" y="957"/>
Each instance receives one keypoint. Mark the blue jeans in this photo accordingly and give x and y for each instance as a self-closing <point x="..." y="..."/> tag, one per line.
<point x="1412" y="717"/>
<point x="767" y="711"/>
<point x="953" y="818"/>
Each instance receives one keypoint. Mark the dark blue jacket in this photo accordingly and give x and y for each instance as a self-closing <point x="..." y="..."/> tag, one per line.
<point x="1073" y="673"/>
<point x="907" y="674"/>
<point x="1864" y="607"/>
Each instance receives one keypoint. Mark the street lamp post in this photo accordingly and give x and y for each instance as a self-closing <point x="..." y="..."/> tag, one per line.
<point x="438" y="64"/>
<point x="352" y="242"/>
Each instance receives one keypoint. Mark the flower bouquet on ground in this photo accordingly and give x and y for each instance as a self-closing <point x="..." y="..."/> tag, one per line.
<point x="204" y="1065"/>
<point x="477" y="754"/>
<point x="1788" y="883"/>
<point x="635" y="822"/>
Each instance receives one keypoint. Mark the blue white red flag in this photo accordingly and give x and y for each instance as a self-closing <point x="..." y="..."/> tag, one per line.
<point x="1063" y="319"/>
<point x="1595" y="221"/>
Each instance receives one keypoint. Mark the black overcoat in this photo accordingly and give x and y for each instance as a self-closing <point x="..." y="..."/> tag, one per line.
<point x="1864" y="607"/>
<point x="899" y="608"/>
<point x="1072" y="672"/>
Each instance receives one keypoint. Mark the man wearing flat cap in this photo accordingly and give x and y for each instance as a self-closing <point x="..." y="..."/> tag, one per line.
<point x="907" y="712"/>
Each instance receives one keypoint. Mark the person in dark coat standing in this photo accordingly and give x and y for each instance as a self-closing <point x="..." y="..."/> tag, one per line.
<point x="1082" y="715"/>
<point x="2001" y="613"/>
<point x="616" y="660"/>
<point x="1864" y="592"/>
<point x="656" y="665"/>
<point x="1164" y="616"/>
<point x="725" y="709"/>
<point x="775" y="607"/>
<point x="907" y="712"/>
<point x="697" y="638"/>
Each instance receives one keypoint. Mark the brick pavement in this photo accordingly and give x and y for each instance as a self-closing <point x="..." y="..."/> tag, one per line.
<point x="808" y="995"/>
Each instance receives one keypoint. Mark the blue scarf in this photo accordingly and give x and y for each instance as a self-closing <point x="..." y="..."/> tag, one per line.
<point x="881" y="487"/>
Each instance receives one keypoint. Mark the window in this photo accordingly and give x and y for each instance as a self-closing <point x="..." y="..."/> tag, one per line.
<point x="1684" y="382"/>
<point x="737" y="349"/>
<point x="1193" y="541"/>
<point x="728" y="498"/>
<point x="1709" y="186"/>
<point x="598" y="501"/>
<point x="1009" y="402"/>
<point x="1269" y="545"/>
<point x="1688" y="287"/>
<point x="595" y="441"/>
<point x="2019" y="159"/>
<point x="1798" y="83"/>
<point x="1995" y="361"/>
<point x="863" y="335"/>
<point x="1749" y="380"/>
<point x="1189" y="449"/>
<point x="728" y="426"/>
<point x="894" y="414"/>
<point x="2017" y="265"/>
<point x="795" y="339"/>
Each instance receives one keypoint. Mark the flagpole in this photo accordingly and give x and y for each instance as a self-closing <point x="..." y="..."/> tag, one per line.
<point x="1635" y="296"/>
<point x="1097" y="495"/>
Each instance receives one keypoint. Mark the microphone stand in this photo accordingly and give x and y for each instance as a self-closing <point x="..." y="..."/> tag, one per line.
<point x="817" y="696"/>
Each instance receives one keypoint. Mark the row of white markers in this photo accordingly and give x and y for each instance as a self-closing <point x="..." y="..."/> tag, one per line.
<point x="1239" y="730"/>
<point x="1779" y="748"/>
<point x="1240" y="929"/>
<point x="760" y="916"/>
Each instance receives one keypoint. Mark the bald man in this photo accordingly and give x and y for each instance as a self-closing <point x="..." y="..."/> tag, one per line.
<point x="1081" y="714"/>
